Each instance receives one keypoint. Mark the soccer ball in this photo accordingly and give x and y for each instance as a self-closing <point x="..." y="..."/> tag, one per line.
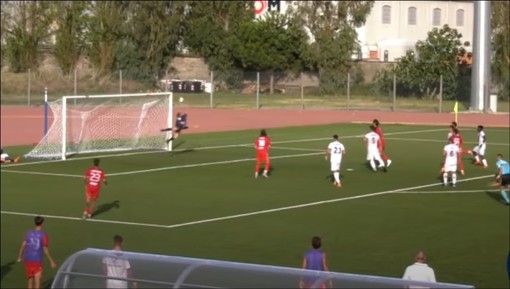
<point x="181" y="99"/>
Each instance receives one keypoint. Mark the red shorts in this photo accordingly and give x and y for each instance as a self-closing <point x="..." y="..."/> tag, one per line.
<point x="32" y="268"/>
<point x="92" y="193"/>
<point x="262" y="157"/>
<point x="309" y="285"/>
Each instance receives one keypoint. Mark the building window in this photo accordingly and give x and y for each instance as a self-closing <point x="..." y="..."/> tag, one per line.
<point x="411" y="16"/>
<point x="460" y="18"/>
<point x="386" y="14"/>
<point x="436" y="17"/>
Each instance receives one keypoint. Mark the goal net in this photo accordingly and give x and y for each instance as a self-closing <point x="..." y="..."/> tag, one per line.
<point x="87" y="269"/>
<point x="106" y="123"/>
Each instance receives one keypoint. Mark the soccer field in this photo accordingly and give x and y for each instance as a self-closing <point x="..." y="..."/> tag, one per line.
<point x="202" y="200"/>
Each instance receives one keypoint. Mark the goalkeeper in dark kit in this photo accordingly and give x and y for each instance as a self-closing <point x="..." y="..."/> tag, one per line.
<point x="181" y="122"/>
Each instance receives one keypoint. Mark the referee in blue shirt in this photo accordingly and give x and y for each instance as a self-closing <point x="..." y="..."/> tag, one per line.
<point x="503" y="177"/>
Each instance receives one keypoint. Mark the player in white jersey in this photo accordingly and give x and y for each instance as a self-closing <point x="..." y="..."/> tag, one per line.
<point x="479" y="150"/>
<point x="372" y="139"/>
<point x="334" y="153"/>
<point x="117" y="265"/>
<point x="451" y="152"/>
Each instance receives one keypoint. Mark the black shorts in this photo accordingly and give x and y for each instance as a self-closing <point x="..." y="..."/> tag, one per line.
<point x="505" y="180"/>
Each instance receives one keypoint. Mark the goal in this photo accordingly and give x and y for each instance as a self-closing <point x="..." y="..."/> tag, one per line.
<point x="106" y="123"/>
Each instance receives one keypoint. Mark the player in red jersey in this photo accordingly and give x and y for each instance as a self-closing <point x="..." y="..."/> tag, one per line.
<point x="382" y="144"/>
<point x="93" y="178"/>
<point x="262" y="146"/>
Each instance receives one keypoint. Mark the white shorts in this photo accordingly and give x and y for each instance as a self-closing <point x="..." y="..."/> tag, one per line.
<point x="480" y="150"/>
<point x="450" y="168"/>
<point x="375" y="155"/>
<point x="335" y="165"/>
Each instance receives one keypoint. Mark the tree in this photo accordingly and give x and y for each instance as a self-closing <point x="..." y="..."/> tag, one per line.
<point x="102" y="33"/>
<point x="70" y="20"/>
<point x="209" y="29"/>
<point x="28" y="28"/>
<point x="270" y="44"/>
<point x="418" y="73"/>
<point x="501" y="49"/>
<point x="332" y="25"/>
<point x="152" y="33"/>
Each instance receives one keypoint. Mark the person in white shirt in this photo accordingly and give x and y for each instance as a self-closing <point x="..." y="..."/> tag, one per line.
<point x="451" y="152"/>
<point x="419" y="271"/>
<point x="117" y="265"/>
<point x="334" y="153"/>
<point x="4" y="158"/>
<point x="479" y="150"/>
<point x="372" y="139"/>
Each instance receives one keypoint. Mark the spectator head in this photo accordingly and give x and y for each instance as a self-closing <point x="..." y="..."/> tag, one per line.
<point x="117" y="240"/>
<point x="420" y="257"/>
<point x="96" y="162"/>
<point x="38" y="221"/>
<point x="316" y="242"/>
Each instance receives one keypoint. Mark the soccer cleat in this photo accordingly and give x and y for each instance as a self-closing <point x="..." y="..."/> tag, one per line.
<point x="485" y="167"/>
<point x="84" y="216"/>
<point x="462" y="172"/>
<point x="256" y="175"/>
<point x="265" y="175"/>
<point x="453" y="185"/>
<point x="16" y="160"/>
<point x="89" y="216"/>
<point x="388" y="163"/>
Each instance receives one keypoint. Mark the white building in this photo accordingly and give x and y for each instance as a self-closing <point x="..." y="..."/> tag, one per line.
<point x="393" y="27"/>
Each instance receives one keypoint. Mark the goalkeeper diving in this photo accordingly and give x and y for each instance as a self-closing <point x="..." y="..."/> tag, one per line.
<point x="181" y="121"/>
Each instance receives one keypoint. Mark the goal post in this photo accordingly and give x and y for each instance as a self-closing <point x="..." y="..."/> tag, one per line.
<point x="107" y="123"/>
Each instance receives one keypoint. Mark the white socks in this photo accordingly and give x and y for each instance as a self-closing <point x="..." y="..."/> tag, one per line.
<point x="445" y="178"/>
<point x="336" y="175"/>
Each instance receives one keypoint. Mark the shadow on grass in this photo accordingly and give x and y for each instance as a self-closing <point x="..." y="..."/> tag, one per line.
<point x="6" y="269"/>
<point x="47" y="284"/>
<point x="496" y="196"/>
<point x="184" y="151"/>
<point x="106" y="207"/>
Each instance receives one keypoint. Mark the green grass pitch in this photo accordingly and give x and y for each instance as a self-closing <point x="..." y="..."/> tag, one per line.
<point x="197" y="200"/>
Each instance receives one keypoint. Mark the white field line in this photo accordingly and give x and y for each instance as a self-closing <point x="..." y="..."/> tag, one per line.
<point x="212" y="147"/>
<point x="247" y="214"/>
<point x="435" y="140"/>
<point x="208" y="164"/>
<point x="163" y="168"/>
<point x="297" y="149"/>
<point x="446" y="192"/>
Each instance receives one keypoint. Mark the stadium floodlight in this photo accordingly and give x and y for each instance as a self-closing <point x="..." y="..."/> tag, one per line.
<point x="106" y="123"/>
<point x="84" y="270"/>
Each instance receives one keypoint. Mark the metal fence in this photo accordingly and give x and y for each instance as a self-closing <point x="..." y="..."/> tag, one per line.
<point x="357" y="89"/>
<point x="264" y="89"/>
